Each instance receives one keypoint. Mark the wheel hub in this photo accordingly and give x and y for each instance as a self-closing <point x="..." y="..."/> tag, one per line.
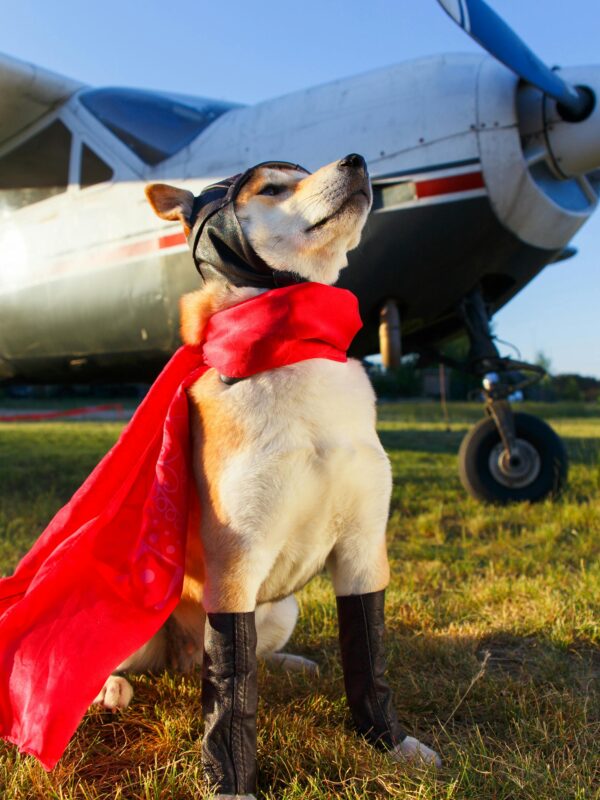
<point x="517" y="470"/>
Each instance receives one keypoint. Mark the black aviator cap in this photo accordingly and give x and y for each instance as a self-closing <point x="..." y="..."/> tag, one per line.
<point x="219" y="247"/>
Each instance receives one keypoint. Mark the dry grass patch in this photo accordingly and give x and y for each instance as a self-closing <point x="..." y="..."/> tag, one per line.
<point x="493" y="634"/>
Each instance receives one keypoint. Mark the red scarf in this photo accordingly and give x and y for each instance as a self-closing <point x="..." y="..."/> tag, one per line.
<point x="108" y="570"/>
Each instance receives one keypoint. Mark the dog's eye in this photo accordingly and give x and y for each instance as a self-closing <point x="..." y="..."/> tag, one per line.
<point x="272" y="189"/>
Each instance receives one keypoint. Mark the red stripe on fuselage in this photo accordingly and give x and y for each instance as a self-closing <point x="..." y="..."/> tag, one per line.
<point x="107" y="256"/>
<point x="172" y="240"/>
<point x="449" y="184"/>
<point x="39" y="416"/>
<point x="434" y="187"/>
<point x="124" y="251"/>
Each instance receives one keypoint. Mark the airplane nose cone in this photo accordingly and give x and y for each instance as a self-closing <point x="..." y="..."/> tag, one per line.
<point x="353" y="160"/>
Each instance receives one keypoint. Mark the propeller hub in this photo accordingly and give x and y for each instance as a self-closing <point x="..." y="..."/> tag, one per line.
<point x="586" y="105"/>
<point x="574" y="140"/>
<point x="574" y="103"/>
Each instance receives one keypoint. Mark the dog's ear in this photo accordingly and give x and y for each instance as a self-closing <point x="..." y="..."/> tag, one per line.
<point x="171" y="203"/>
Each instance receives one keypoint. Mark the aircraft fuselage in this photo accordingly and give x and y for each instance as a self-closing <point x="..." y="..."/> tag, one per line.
<point x="90" y="280"/>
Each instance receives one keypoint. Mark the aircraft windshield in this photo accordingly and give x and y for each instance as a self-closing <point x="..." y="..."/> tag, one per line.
<point x="155" y="126"/>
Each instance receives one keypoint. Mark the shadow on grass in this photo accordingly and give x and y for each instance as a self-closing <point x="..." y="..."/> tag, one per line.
<point x="498" y="698"/>
<point x="422" y="441"/>
<point x="581" y="450"/>
<point x="528" y="699"/>
<point x="435" y="668"/>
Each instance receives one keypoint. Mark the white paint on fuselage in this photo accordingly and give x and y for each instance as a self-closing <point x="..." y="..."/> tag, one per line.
<point x="406" y="118"/>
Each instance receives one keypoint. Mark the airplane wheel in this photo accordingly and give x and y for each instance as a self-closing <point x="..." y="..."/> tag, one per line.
<point x="537" y="470"/>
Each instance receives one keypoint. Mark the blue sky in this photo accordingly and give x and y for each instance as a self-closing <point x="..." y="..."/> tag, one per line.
<point x="249" y="51"/>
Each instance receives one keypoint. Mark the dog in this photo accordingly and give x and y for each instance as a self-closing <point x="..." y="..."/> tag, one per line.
<point x="291" y="478"/>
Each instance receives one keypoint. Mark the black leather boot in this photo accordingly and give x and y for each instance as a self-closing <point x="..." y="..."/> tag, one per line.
<point x="361" y="629"/>
<point x="229" y="701"/>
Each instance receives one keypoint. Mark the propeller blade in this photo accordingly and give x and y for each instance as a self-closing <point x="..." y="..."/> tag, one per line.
<point x="491" y="32"/>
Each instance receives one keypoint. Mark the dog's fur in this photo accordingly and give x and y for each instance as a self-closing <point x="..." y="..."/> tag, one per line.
<point x="290" y="473"/>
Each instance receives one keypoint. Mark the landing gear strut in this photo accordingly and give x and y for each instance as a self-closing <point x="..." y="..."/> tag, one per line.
<point x="507" y="457"/>
<point x="390" y="342"/>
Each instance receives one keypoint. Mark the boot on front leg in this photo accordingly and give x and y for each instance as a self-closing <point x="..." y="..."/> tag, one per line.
<point x="229" y="703"/>
<point x="361" y="629"/>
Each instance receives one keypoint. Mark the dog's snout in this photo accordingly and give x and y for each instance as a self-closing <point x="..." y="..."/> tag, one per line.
<point x="353" y="160"/>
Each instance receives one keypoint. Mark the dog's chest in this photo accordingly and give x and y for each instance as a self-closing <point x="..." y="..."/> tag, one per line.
<point x="290" y="487"/>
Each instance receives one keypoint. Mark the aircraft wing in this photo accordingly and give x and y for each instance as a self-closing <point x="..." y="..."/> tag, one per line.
<point x="27" y="92"/>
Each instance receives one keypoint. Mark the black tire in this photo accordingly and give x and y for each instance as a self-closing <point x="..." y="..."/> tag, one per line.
<point x="484" y="474"/>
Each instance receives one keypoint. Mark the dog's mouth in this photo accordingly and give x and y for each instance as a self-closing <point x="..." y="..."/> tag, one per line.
<point x="338" y="211"/>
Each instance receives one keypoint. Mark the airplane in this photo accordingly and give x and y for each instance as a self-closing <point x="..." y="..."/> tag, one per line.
<point x="480" y="187"/>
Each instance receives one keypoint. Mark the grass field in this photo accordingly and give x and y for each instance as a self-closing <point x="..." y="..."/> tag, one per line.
<point x="493" y="636"/>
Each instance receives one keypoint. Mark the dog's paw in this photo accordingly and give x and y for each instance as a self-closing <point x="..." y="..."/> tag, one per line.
<point x="115" y="695"/>
<point x="412" y="749"/>
<point x="291" y="663"/>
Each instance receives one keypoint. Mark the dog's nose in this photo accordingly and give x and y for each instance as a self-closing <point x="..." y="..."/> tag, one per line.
<point x="353" y="160"/>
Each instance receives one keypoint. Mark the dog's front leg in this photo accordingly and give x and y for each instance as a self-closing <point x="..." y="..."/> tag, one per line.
<point x="360" y="593"/>
<point x="361" y="621"/>
<point x="229" y="702"/>
<point x="361" y="628"/>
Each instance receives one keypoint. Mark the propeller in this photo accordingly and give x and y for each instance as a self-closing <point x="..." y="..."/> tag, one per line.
<point x="575" y="103"/>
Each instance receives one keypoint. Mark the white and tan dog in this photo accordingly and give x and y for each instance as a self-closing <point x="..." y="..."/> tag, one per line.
<point x="290" y="472"/>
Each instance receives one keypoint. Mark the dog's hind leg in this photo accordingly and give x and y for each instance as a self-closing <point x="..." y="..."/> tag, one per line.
<point x="275" y="623"/>
<point x="117" y="692"/>
<point x="115" y="695"/>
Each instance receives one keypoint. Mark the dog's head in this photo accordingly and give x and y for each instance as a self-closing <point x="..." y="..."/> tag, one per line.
<point x="293" y="221"/>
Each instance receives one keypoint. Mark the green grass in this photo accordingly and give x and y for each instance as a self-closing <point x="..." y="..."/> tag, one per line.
<point x="493" y="636"/>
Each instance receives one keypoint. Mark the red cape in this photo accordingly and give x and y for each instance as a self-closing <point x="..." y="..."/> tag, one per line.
<point x="108" y="570"/>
